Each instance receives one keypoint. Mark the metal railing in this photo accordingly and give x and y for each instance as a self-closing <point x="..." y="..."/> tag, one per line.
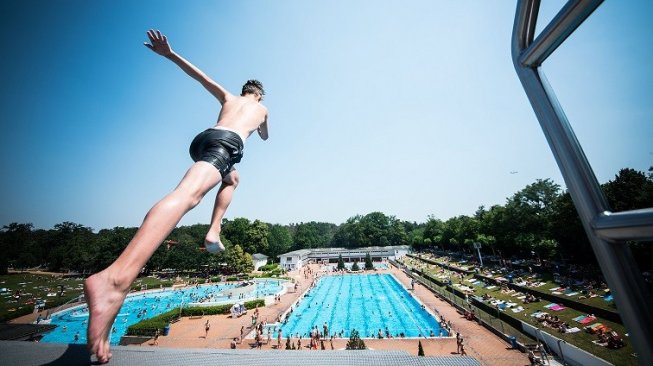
<point x="607" y="231"/>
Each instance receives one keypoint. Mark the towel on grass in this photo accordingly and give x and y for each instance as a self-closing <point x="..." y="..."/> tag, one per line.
<point x="557" y="308"/>
<point x="572" y="293"/>
<point x="573" y="330"/>
<point x="588" y="320"/>
<point x="550" y="305"/>
<point x="579" y="318"/>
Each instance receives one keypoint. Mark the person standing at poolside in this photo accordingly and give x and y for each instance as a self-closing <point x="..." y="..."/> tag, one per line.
<point x="207" y="326"/>
<point x="215" y="151"/>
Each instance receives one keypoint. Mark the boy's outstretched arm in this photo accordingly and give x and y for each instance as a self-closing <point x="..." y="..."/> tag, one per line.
<point x="161" y="46"/>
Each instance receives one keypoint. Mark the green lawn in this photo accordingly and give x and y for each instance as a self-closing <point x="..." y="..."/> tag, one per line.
<point x="581" y="339"/>
<point x="34" y="287"/>
<point x="37" y="287"/>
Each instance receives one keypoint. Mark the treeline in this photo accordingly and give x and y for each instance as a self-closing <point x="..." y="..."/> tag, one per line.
<point x="538" y="220"/>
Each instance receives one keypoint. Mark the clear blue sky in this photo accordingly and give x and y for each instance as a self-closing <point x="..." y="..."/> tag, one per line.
<point x="411" y="108"/>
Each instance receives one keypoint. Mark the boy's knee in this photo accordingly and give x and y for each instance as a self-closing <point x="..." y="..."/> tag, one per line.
<point x="232" y="179"/>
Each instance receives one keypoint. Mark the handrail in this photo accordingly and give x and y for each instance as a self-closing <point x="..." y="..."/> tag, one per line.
<point x="607" y="232"/>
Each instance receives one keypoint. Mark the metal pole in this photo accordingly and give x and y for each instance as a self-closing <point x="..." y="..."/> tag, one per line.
<point x="632" y="295"/>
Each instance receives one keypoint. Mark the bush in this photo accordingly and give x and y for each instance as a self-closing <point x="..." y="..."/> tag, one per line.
<point x="355" y="341"/>
<point x="148" y="327"/>
<point x="368" y="262"/>
<point x="269" y="267"/>
<point x="355" y="267"/>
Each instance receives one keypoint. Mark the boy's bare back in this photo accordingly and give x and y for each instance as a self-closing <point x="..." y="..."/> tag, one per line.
<point x="243" y="115"/>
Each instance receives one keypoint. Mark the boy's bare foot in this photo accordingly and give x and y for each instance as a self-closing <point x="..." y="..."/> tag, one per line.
<point x="212" y="243"/>
<point x="104" y="297"/>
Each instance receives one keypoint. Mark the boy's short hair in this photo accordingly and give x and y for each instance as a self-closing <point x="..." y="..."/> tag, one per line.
<point x="253" y="87"/>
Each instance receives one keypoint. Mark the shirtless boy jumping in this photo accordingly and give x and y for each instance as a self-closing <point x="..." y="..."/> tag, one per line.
<point x="215" y="151"/>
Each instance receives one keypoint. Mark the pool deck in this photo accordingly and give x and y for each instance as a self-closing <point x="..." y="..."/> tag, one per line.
<point x="480" y="343"/>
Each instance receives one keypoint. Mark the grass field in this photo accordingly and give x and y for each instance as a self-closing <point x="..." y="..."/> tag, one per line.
<point x="35" y="287"/>
<point x="583" y="340"/>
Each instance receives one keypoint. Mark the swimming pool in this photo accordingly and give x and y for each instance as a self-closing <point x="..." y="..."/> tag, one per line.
<point x="152" y="303"/>
<point x="367" y="303"/>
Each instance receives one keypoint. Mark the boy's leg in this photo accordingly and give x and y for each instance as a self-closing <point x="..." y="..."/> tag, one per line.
<point x="105" y="291"/>
<point x="222" y="201"/>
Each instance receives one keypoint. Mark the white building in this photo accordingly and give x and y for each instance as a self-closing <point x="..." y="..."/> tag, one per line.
<point x="294" y="260"/>
<point x="259" y="260"/>
<point x="297" y="258"/>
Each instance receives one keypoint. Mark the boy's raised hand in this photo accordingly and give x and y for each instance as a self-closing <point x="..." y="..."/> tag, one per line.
<point x="159" y="43"/>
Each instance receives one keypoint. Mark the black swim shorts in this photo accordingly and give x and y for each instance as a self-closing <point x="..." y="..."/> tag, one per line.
<point x="222" y="148"/>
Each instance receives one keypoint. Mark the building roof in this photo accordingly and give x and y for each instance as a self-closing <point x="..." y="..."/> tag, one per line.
<point x="342" y="250"/>
<point x="299" y="252"/>
<point x="259" y="256"/>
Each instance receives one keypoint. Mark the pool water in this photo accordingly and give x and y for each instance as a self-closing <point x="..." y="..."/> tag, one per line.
<point x="367" y="303"/>
<point x="150" y="304"/>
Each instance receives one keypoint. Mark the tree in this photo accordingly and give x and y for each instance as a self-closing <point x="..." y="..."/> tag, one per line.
<point x="355" y="267"/>
<point x="341" y="263"/>
<point x="109" y="243"/>
<point x="237" y="260"/>
<point x="630" y="190"/>
<point x="368" y="262"/>
<point x="13" y="240"/>
<point x="355" y="342"/>
<point x="420" y="349"/>
<point x="69" y="245"/>
<point x="373" y="229"/>
<point x="433" y="230"/>
<point x="279" y="241"/>
<point x="313" y="235"/>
